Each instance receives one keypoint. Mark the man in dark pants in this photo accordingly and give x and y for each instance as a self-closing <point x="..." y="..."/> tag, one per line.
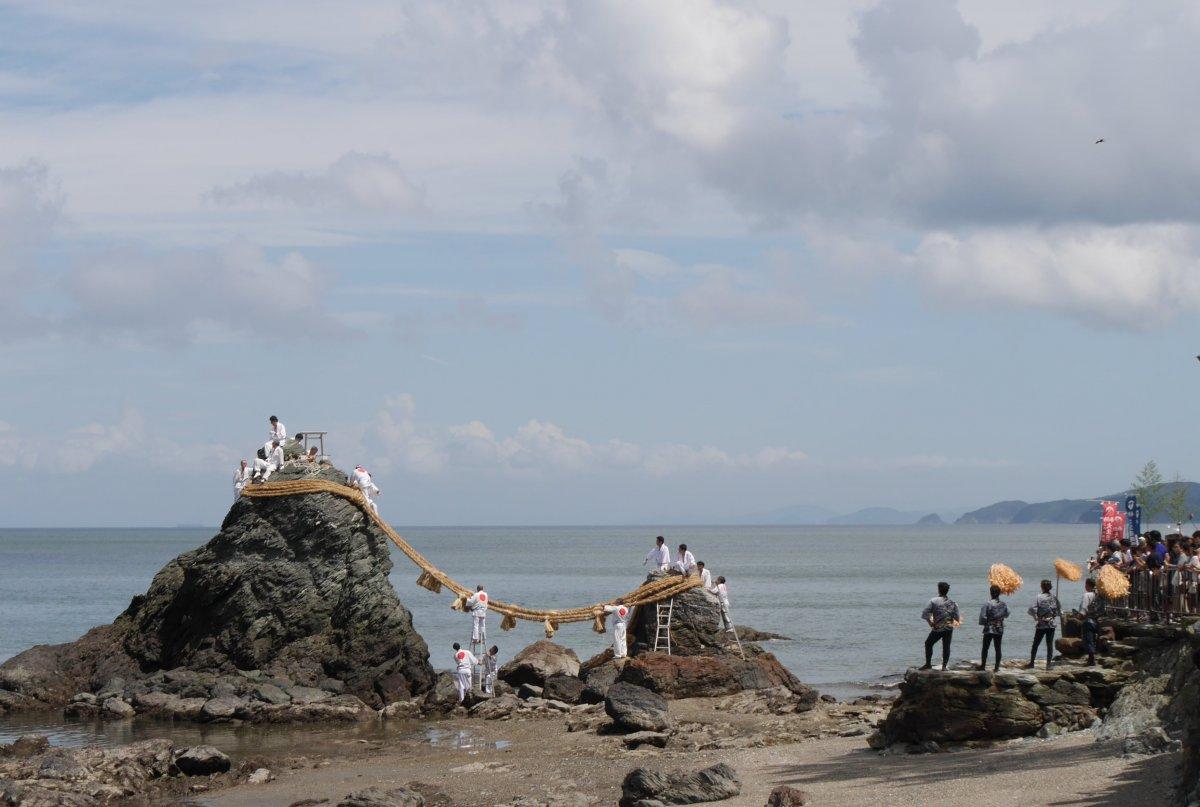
<point x="942" y="615"/>
<point x="992" y="616"/>
<point x="1045" y="612"/>
<point x="1089" y="607"/>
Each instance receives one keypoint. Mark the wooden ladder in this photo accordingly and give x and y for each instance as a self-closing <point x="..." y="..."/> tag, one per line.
<point x="662" y="629"/>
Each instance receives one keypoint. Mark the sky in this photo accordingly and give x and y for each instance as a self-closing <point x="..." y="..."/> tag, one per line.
<point x="595" y="263"/>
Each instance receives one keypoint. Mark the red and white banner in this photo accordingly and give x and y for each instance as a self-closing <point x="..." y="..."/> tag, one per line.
<point x="1112" y="522"/>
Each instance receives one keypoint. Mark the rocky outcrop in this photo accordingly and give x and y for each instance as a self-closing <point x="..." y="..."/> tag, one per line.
<point x="644" y="786"/>
<point x="85" y="777"/>
<point x="704" y="660"/>
<point x="936" y="706"/>
<point x="286" y="614"/>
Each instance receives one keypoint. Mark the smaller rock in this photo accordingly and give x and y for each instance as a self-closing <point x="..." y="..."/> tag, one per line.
<point x="565" y="688"/>
<point x="115" y="707"/>
<point x="642" y="785"/>
<point x="784" y="796"/>
<point x="221" y="708"/>
<point x="636" y="708"/>
<point x="537" y="662"/>
<point x="401" y="709"/>
<point x="656" y="738"/>
<point x="1153" y="740"/>
<point x="374" y="797"/>
<point x="25" y="746"/>
<point x="201" y="760"/>
<point x="83" y="697"/>
<point x="528" y="691"/>
<point x="260" y="777"/>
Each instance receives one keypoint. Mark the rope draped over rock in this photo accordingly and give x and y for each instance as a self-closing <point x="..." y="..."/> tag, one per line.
<point x="434" y="579"/>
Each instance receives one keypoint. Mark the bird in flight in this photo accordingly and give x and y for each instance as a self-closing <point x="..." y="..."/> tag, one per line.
<point x="1098" y="142"/>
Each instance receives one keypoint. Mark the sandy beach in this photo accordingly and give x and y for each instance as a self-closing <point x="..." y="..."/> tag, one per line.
<point x="544" y="764"/>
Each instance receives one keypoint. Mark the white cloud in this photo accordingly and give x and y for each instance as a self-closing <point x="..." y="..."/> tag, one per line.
<point x="397" y="441"/>
<point x="355" y="181"/>
<point x="1134" y="276"/>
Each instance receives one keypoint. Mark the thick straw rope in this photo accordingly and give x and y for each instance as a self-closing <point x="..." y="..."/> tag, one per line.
<point x="434" y="578"/>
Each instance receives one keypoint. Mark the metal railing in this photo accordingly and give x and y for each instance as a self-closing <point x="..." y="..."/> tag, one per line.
<point x="1159" y="594"/>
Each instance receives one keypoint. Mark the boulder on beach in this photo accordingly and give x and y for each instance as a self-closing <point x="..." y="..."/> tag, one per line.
<point x="286" y="610"/>
<point x="717" y="783"/>
<point x="539" y="661"/>
<point x="86" y="777"/>
<point x="635" y="708"/>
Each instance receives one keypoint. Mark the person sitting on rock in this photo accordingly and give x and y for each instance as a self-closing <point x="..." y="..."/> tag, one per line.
<point x="240" y="477"/>
<point x="621" y="615"/>
<point x="277" y="431"/>
<point x="942" y="615"/>
<point x="361" y="479"/>
<point x="1089" y="608"/>
<point x="723" y="598"/>
<point x="992" y="616"/>
<point x="659" y="557"/>
<point x="310" y="456"/>
<point x="685" y="561"/>
<point x="477" y="605"/>
<point x="265" y="466"/>
<point x="464" y="664"/>
<point x="705" y="577"/>
<point x="1045" y="612"/>
<point x="491" y="667"/>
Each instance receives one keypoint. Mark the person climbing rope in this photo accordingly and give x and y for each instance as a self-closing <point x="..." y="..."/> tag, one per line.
<point x="621" y="615"/>
<point x="361" y="479"/>
<point x="464" y="663"/>
<point x="477" y="604"/>
<point x="659" y="557"/>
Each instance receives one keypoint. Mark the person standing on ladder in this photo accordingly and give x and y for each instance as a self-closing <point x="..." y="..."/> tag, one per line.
<point x="723" y="597"/>
<point x="659" y="557"/>
<point x="477" y="604"/>
<point x="621" y="614"/>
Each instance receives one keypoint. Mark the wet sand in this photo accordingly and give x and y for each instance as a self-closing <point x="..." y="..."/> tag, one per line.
<point x="545" y="761"/>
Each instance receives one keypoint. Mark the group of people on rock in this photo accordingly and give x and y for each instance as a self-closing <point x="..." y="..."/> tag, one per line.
<point x="685" y="563"/>
<point x="942" y="616"/>
<point x="279" y="449"/>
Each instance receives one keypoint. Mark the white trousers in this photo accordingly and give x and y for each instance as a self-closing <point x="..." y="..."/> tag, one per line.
<point x="478" y="628"/>
<point x="619" y="649"/>
<point x="265" y="468"/>
<point x="489" y="683"/>
<point x="462" y="679"/>
<point x="725" y="616"/>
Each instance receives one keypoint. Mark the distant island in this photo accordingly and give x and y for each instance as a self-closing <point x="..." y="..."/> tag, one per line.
<point x="1011" y="511"/>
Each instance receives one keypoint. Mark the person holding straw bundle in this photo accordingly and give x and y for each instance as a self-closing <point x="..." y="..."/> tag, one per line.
<point x="942" y="615"/>
<point x="1045" y="612"/>
<point x="992" y="616"/>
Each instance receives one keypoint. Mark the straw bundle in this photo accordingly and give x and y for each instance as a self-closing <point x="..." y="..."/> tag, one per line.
<point x="1067" y="570"/>
<point x="1004" y="577"/>
<point x="1112" y="583"/>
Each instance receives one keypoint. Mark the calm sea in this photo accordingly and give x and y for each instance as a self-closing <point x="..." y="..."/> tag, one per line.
<point x="850" y="597"/>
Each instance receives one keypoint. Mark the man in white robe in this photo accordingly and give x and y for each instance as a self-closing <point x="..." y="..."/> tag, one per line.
<point x="361" y="479"/>
<point x="240" y="477"/>
<point x="464" y="665"/>
<point x="621" y="616"/>
<point x="263" y="468"/>
<point x="659" y="557"/>
<point x="477" y="605"/>
<point x="685" y="561"/>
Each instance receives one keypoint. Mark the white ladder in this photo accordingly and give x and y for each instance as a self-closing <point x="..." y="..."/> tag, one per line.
<point x="662" y="629"/>
<point x="479" y="650"/>
<point x="733" y="630"/>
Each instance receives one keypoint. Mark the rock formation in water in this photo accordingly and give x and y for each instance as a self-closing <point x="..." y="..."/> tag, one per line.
<point x="286" y="614"/>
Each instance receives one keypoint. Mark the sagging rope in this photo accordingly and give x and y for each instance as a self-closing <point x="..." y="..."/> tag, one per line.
<point x="434" y="579"/>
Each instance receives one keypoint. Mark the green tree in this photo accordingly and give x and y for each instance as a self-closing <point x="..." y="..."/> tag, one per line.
<point x="1148" y="487"/>
<point x="1174" y="502"/>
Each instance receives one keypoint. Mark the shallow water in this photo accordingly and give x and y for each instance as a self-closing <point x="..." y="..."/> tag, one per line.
<point x="849" y="596"/>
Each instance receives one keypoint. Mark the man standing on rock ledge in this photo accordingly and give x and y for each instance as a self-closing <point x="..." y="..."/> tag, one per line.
<point x="1045" y="611"/>
<point x="464" y="665"/>
<point x="659" y="557"/>
<point x="992" y="616"/>
<point x="942" y="615"/>
<point x="240" y="477"/>
<point x="278" y="432"/>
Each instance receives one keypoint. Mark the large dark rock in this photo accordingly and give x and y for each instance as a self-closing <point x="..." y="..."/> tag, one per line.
<point x="375" y="797"/>
<point x="635" y="708"/>
<point x="201" y="760"/>
<point x="714" y="674"/>
<point x="695" y="624"/>
<point x="539" y="661"/>
<point x="717" y="783"/>
<point x="293" y="591"/>
<point x="565" y="688"/>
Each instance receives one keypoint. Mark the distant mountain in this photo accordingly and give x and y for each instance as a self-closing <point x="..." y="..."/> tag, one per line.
<point x="933" y="519"/>
<point x="1060" y="511"/>
<point x="879" y="516"/>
